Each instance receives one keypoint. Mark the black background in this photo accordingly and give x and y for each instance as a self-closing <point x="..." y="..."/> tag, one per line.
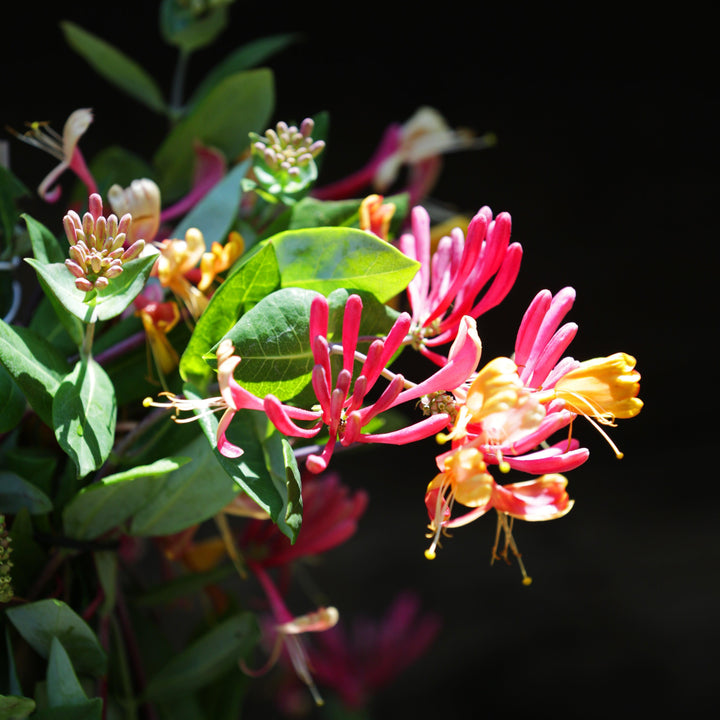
<point x="607" y="161"/>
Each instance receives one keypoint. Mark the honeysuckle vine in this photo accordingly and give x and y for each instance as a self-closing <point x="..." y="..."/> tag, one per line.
<point x="173" y="409"/>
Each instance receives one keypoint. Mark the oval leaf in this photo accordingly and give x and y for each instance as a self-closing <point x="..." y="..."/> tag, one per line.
<point x="84" y="413"/>
<point x="39" y="622"/>
<point x="104" y="505"/>
<point x="114" y="66"/>
<point x="63" y="687"/>
<point x="327" y="258"/>
<point x="13" y="707"/>
<point x="16" y="493"/>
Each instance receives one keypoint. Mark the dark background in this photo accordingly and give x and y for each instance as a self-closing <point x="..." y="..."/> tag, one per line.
<point x="607" y="161"/>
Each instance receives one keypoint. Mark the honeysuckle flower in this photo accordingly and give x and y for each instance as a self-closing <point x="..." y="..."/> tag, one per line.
<point x="464" y="478"/>
<point x="449" y="283"/>
<point x="97" y="251"/>
<point x="62" y="147"/>
<point x="178" y="258"/>
<point x="358" y="659"/>
<point x="376" y="215"/>
<point x="158" y="320"/>
<point x="417" y="144"/>
<point x="141" y="199"/>
<point x="288" y="630"/>
<point x="601" y="389"/>
<point x="219" y="258"/>
<point x="341" y="409"/>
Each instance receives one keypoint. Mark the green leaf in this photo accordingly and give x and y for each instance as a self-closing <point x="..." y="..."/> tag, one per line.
<point x="181" y="27"/>
<point x="254" y="276"/>
<point x="245" y="57"/>
<point x="106" y="504"/>
<point x="89" y="710"/>
<point x="216" y="212"/>
<point x="207" y="658"/>
<point x="44" y="322"/>
<point x="35" y="365"/>
<point x="325" y="259"/>
<point x="15" y="708"/>
<point x="114" y="66"/>
<point x="46" y="247"/>
<point x="192" y="493"/>
<point x="240" y="104"/>
<point x="63" y="687"/>
<point x="39" y="622"/>
<point x="84" y="414"/>
<point x="267" y="470"/>
<point x="115" y="164"/>
<point x="12" y="402"/>
<point x="16" y="493"/>
<point x="28" y="556"/>
<point x="10" y="189"/>
<point x="109" y="302"/>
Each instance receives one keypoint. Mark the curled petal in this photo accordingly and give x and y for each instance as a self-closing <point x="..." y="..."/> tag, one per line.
<point x="544" y="498"/>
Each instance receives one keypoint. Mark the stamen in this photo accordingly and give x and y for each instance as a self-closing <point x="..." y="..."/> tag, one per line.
<point x="506" y="527"/>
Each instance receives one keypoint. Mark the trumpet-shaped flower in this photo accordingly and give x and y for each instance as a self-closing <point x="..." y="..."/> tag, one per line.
<point x="219" y="258"/>
<point x="64" y="148"/>
<point x="141" y="199"/>
<point x="97" y="251"/>
<point x="341" y="408"/>
<point x="376" y="215"/>
<point x="158" y="320"/>
<point x="449" y="283"/>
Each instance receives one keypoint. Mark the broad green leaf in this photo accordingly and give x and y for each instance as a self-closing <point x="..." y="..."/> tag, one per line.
<point x="183" y="27"/>
<point x="106" y="504"/>
<point x="63" y="687"/>
<point x="46" y="247"/>
<point x="254" y="276"/>
<point x="35" y="365"/>
<point x="115" y="66"/>
<point x="12" y="402"/>
<point x="16" y="493"/>
<point x="245" y="57"/>
<point x="44" y="322"/>
<point x="273" y="341"/>
<point x="39" y="622"/>
<point x="192" y="493"/>
<point x="207" y="658"/>
<point x="266" y="471"/>
<point x="15" y="708"/>
<point x="325" y="259"/>
<point x="103" y="305"/>
<point x="216" y="212"/>
<point x="84" y="414"/>
<point x="240" y="104"/>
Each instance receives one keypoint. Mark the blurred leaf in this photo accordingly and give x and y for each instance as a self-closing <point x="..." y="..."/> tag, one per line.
<point x="28" y="556"/>
<point x="254" y="276"/>
<point x="106" y="504"/>
<point x="181" y="27"/>
<point x="247" y="56"/>
<point x="114" y="66"/>
<point x="240" y="104"/>
<point x="39" y="622"/>
<point x="15" y="708"/>
<point x="115" y="164"/>
<point x="12" y="402"/>
<point x="207" y="658"/>
<point x="267" y="469"/>
<point x="84" y="414"/>
<point x="328" y="258"/>
<point x="10" y="189"/>
<point x="106" y="304"/>
<point x="63" y="687"/>
<point x="192" y="493"/>
<point x="16" y="493"/>
<point x="216" y="212"/>
<point x="35" y="365"/>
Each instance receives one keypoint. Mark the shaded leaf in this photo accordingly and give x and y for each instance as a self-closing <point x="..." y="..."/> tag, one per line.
<point x="12" y="402"/>
<point x="15" y="708"/>
<point x="181" y="26"/>
<point x="207" y="658"/>
<point x="39" y="622"/>
<point x="114" y="66"/>
<point x="63" y="687"/>
<point x="106" y="504"/>
<point x="84" y="414"/>
<point x="16" y="493"/>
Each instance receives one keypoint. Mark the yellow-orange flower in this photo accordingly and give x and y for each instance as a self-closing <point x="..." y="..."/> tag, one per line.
<point x="159" y="319"/>
<point x="220" y="258"/>
<point x="375" y="215"/>
<point x="602" y="388"/>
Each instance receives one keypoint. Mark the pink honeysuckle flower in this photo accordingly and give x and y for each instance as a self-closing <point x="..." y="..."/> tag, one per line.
<point x="341" y="403"/>
<point x="63" y="147"/>
<point x="355" y="660"/>
<point x="449" y="283"/>
<point x="417" y="144"/>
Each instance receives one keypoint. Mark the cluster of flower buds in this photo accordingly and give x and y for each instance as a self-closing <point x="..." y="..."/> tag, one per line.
<point x="97" y="251"/>
<point x="284" y="158"/>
